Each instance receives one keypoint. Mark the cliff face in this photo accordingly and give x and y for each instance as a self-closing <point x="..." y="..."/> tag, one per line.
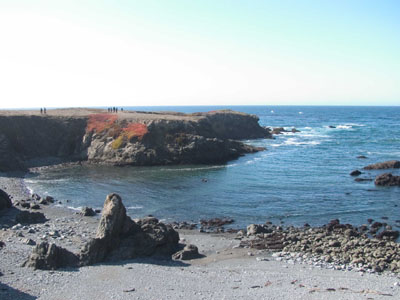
<point x="27" y="138"/>
<point x="126" y="139"/>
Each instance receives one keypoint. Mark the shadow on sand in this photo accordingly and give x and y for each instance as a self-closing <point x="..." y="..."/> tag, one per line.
<point x="7" y="292"/>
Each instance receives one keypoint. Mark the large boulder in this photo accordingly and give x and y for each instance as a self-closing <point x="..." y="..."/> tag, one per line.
<point x="390" y="164"/>
<point x="118" y="237"/>
<point x="189" y="252"/>
<point x="5" y="201"/>
<point x="27" y="217"/>
<point x="387" y="179"/>
<point x="47" y="256"/>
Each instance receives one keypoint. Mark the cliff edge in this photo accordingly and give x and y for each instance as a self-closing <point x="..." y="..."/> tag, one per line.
<point x="29" y="138"/>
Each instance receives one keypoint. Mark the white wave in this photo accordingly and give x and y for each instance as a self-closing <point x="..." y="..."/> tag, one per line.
<point x="312" y="135"/>
<point x="344" y="127"/>
<point x="272" y="112"/>
<point x="192" y="169"/>
<point x="300" y="112"/>
<point x="134" y="207"/>
<point x="275" y="145"/>
<point x="308" y="128"/>
<point x="295" y="142"/>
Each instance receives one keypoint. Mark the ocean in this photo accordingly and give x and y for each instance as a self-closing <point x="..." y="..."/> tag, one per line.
<point x="301" y="178"/>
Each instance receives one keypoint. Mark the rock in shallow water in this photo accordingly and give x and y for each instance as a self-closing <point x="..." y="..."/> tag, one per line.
<point x="387" y="179"/>
<point x="390" y="164"/>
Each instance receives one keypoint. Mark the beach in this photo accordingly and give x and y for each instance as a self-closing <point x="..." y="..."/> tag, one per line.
<point x="225" y="272"/>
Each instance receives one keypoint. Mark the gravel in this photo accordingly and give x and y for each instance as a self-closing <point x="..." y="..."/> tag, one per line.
<point x="226" y="272"/>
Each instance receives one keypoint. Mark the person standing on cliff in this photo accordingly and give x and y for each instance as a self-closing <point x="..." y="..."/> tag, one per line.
<point x="44" y="110"/>
<point x="41" y="110"/>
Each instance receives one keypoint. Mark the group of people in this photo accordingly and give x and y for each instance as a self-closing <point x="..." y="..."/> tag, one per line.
<point x="43" y="110"/>
<point x="114" y="109"/>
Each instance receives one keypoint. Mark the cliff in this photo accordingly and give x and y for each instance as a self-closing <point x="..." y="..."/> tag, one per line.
<point x="29" y="138"/>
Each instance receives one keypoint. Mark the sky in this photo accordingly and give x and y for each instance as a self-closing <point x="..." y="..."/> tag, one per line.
<point x="211" y="52"/>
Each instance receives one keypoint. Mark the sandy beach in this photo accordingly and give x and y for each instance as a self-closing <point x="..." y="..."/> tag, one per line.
<point x="225" y="272"/>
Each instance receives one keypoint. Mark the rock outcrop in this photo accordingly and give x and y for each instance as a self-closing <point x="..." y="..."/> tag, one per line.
<point x="390" y="164"/>
<point x="387" y="179"/>
<point x="47" y="256"/>
<point x="189" y="252"/>
<point x="130" y="138"/>
<point x="119" y="237"/>
<point x="5" y="201"/>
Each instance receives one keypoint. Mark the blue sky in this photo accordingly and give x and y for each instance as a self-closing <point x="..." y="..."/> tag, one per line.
<point x="92" y="53"/>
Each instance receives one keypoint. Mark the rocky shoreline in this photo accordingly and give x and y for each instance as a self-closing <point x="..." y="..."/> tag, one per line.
<point x="316" y="247"/>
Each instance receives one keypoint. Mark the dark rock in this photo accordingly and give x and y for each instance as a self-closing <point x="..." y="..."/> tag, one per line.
<point x="362" y="179"/>
<point x="5" y="201"/>
<point x="35" y="197"/>
<point x="2" y="244"/>
<point x="43" y="201"/>
<point x="278" y="130"/>
<point x="118" y="237"/>
<point x="49" y="199"/>
<point x="27" y="217"/>
<point x="331" y="126"/>
<point x="387" y="179"/>
<point x="216" y="222"/>
<point x="389" y="235"/>
<point x="189" y="252"/>
<point x="390" y="164"/>
<point x="376" y="225"/>
<point x="355" y="173"/>
<point x="294" y="130"/>
<point x="47" y="256"/>
<point x="362" y="157"/>
<point x="87" y="212"/>
<point x="34" y="206"/>
<point x="370" y="221"/>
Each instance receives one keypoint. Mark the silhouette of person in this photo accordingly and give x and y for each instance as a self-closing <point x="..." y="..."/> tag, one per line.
<point x="41" y="110"/>
<point x="44" y="110"/>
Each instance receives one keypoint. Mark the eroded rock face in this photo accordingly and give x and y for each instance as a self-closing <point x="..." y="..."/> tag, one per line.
<point x="119" y="237"/>
<point x="47" y="256"/>
<point x="391" y="164"/>
<point x="189" y="252"/>
<point x="27" y="217"/>
<point x="5" y="201"/>
<point x="387" y="179"/>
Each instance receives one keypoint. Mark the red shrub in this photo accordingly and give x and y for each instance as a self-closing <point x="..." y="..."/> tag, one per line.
<point x="135" y="130"/>
<point x="100" y="122"/>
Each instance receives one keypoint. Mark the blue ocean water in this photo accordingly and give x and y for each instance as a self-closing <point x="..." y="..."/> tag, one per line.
<point x="301" y="177"/>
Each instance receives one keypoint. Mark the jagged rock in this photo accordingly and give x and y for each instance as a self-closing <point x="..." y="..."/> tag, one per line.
<point x="361" y="157"/>
<point x="87" y="212"/>
<point x="49" y="199"/>
<point x="254" y="229"/>
<point x="355" y="173"/>
<point x="390" y="164"/>
<point x="278" y="130"/>
<point x="388" y="234"/>
<point x="216" y="222"/>
<point x="34" y="206"/>
<point x="27" y="217"/>
<point x="5" y="201"/>
<point x="363" y="179"/>
<point x="47" y="256"/>
<point x="119" y="237"/>
<point x="387" y="179"/>
<point x="189" y="252"/>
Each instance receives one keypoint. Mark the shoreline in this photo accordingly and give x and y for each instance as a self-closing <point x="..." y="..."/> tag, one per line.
<point x="236" y="272"/>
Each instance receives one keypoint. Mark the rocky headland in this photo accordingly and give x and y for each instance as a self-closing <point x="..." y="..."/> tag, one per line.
<point x="29" y="139"/>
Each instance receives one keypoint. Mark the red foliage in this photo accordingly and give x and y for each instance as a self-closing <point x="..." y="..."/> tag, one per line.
<point x="100" y="122"/>
<point x="135" y="130"/>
